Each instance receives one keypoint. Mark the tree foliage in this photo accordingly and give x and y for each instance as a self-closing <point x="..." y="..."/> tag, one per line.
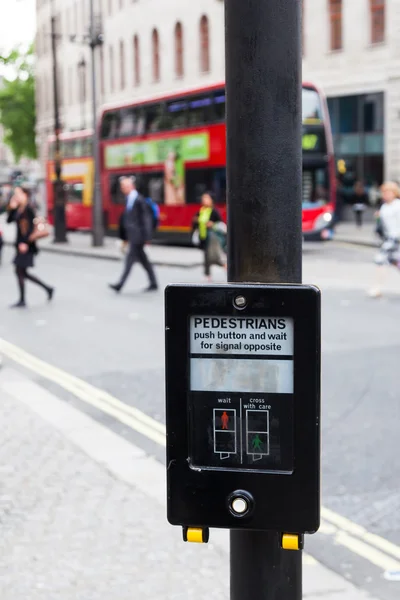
<point x="17" y="102"/>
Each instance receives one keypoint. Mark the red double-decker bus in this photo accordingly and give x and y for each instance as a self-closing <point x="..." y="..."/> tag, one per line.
<point x="78" y="176"/>
<point x="175" y="147"/>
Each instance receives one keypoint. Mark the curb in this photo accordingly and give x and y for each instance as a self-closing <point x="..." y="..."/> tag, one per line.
<point x="109" y="257"/>
<point x="364" y="243"/>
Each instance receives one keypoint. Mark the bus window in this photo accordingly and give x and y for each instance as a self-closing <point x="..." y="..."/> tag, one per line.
<point x="199" y="108"/>
<point x="154" y="117"/>
<point x="141" y="121"/>
<point x="87" y="146"/>
<point x="311" y="106"/>
<point x="198" y="181"/>
<point x="219" y="106"/>
<point x="117" y="197"/>
<point x="177" y="114"/>
<point x="147" y="184"/>
<point x="315" y="187"/>
<point x="110" y="125"/>
<point x="65" y="149"/>
<point x="74" y="193"/>
<point x="128" y="122"/>
<point x="155" y="187"/>
<point x="76" y="148"/>
<point x="151" y="185"/>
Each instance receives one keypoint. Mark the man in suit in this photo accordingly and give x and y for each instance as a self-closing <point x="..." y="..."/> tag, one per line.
<point x="138" y="227"/>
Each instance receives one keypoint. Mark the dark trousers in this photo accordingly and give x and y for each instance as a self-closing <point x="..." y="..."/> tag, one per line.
<point x="22" y="275"/>
<point x="359" y="217"/>
<point x="135" y="254"/>
<point x="208" y="259"/>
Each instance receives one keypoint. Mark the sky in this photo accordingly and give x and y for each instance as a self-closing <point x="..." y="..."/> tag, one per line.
<point x="17" y="23"/>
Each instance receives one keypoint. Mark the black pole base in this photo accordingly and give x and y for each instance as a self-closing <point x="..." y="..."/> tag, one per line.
<point x="60" y="224"/>
<point x="261" y="570"/>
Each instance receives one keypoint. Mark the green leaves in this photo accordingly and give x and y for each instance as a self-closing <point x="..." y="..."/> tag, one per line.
<point x="17" y="103"/>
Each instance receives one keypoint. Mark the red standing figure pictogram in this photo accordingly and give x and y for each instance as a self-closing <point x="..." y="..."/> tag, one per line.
<point x="224" y="420"/>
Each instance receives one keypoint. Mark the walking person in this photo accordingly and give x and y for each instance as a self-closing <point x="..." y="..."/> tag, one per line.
<point x="204" y="222"/>
<point x="389" y="217"/>
<point x="137" y="224"/>
<point x="359" y="200"/>
<point x="20" y="212"/>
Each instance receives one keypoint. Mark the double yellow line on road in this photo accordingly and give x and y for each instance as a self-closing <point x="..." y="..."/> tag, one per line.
<point x="378" y="551"/>
<point x="103" y="401"/>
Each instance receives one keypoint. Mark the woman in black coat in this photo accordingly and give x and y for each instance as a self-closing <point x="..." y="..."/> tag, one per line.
<point x="23" y="215"/>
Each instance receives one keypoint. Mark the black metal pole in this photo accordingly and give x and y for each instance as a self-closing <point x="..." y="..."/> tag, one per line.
<point x="97" y="213"/>
<point x="60" y="229"/>
<point x="264" y="169"/>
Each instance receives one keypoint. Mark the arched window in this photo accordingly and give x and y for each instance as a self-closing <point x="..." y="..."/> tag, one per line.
<point x="377" y="21"/>
<point x="335" y="14"/>
<point x="102" y="90"/>
<point x="111" y="67"/>
<point x="122" y="64"/>
<point x="179" y="50"/>
<point x="155" y="41"/>
<point x="136" y="60"/>
<point x="204" y="44"/>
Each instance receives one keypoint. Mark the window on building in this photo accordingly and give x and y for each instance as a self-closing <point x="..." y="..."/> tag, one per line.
<point x="38" y="94"/>
<point x="37" y="44"/>
<point x="335" y="9"/>
<point x="122" y="64"/>
<point x="179" y="69"/>
<point x="377" y="21"/>
<point x="156" y="55"/>
<point x="60" y="86"/>
<point x="102" y="90"/>
<point x="82" y="81"/>
<point x="111" y="67"/>
<point x="204" y="45"/>
<point x="136" y="60"/>
<point x="76" y="20"/>
<point x="70" y="83"/>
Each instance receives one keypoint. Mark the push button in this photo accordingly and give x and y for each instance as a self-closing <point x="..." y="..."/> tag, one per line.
<point x="240" y="503"/>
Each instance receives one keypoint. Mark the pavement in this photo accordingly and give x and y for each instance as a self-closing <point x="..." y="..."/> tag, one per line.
<point x="79" y="244"/>
<point x="361" y="236"/>
<point x="103" y="355"/>
<point x="82" y="514"/>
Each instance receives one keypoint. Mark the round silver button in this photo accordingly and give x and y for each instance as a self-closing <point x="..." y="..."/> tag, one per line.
<point x="239" y="505"/>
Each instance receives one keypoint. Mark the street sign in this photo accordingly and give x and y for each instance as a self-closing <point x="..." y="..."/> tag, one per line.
<point x="243" y="406"/>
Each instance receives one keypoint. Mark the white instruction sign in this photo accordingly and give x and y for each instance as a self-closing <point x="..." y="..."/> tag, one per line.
<point x="224" y="336"/>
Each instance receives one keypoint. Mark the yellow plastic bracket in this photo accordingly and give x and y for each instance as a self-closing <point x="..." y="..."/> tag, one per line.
<point x="290" y="542"/>
<point x="195" y="535"/>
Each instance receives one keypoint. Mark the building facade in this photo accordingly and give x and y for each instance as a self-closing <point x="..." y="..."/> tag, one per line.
<point x="150" y="47"/>
<point x="351" y="49"/>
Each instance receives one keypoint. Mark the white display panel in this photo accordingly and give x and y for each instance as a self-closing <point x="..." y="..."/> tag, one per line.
<point x="241" y="375"/>
<point x="241" y="335"/>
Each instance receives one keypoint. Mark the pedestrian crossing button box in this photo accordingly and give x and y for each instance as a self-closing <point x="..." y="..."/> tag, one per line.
<point x="243" y="406"/>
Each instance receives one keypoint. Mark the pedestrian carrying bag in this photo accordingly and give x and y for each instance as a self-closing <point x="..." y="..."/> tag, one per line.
<point x="40" y="229"/>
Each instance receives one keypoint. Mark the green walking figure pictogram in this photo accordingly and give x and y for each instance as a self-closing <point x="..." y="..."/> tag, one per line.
<point x="257" y="443"/>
